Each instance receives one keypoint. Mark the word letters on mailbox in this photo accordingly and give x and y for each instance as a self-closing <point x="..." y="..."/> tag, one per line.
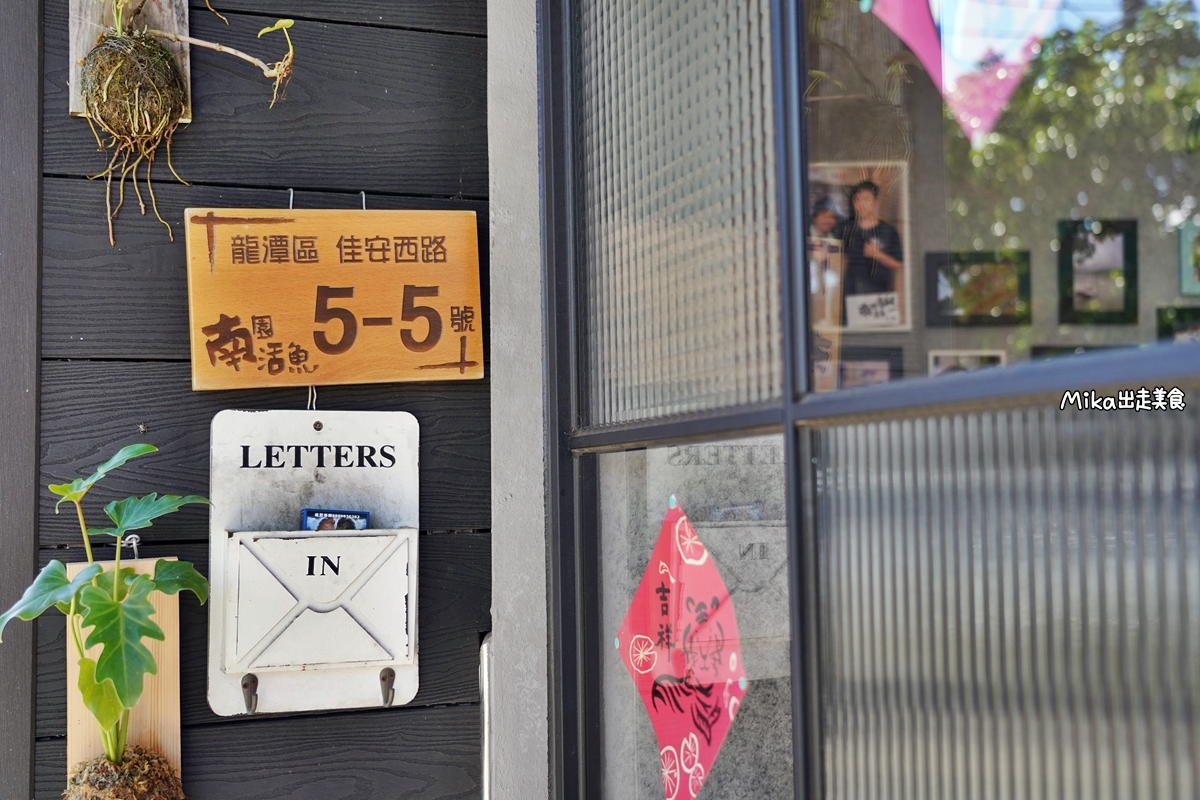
<point x="304" y="297"/>
<point x="309" y="619"/>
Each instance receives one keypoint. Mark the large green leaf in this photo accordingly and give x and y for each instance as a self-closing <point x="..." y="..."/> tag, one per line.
<point x="100" y="697"/>
<point x="171" y="577"/>
<point x="120" y="627"/>
<point x="76" y="489"/>
<point x="105" y="582"/>
<point x="134" y="513"/>
<point x="50" y="587"/>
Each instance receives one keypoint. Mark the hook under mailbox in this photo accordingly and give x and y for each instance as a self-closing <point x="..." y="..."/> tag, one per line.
<point x="250" y="692"/>
<point x="387" y="684"/>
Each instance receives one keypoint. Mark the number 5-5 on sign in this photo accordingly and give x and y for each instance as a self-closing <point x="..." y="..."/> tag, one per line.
<point x="281" y="297"/>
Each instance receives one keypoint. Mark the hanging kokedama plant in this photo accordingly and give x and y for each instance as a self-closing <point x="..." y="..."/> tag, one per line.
<point x="135" y="95"/>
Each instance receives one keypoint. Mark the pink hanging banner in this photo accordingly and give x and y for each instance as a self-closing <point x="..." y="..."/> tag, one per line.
<point x="913" y="22"/>
<point x="976" y="51"/>
<point x="680" y="643"/>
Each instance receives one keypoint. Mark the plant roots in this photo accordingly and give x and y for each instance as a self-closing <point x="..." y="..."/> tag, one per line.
<point x="134" y="94"/>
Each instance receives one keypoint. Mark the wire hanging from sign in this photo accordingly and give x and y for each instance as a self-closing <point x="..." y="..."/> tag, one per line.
<point x="311" y="405"/>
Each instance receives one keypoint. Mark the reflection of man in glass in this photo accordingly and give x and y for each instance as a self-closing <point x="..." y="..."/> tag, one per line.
<point x="873" y="251"/>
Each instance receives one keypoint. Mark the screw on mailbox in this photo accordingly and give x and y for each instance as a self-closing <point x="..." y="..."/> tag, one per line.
<point x="250" y="692"/>
<point x="317" y="425"/>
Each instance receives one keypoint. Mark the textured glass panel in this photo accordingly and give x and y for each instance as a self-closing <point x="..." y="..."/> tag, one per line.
<point x="733" y="494"/>
<point x="1011" y="605"/>
<point x="995" y="181"/>
<point x="676" y="196"/>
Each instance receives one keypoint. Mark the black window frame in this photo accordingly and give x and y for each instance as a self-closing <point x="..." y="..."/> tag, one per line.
<point x="574" y="611"/>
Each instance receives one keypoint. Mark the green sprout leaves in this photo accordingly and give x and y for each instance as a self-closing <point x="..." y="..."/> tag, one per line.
<point x="282" y="69"/>
<point x="135" y="513"/>
<point x="76" y="489"/>
<point x="113" y="603"/>
<point x="280" y="25"/>
<point x="50" y="588"/>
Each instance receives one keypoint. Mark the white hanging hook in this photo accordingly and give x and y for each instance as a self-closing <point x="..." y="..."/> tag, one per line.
<point x="364" y="199"/>
<point x="132" y="540"/>
<point x="312" y="399"/>
<point x="291" y="197"/>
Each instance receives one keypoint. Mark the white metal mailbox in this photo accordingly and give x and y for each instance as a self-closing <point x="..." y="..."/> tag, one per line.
<point x="312" y="620"/>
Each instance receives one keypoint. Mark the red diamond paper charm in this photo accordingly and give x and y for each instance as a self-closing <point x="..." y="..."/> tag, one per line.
<point x="680" y="643"/>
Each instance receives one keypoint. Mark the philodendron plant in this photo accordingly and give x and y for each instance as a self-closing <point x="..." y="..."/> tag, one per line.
<point x="114" y="603"/>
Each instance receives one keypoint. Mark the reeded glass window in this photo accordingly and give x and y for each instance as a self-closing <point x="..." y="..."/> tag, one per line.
<point x="696" y="672"/>
<point x="1010" y="605"/>
<point x="676" y="222"/>
<point x="991" y="181"/>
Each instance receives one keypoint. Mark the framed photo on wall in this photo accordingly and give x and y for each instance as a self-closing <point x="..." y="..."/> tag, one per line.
<point x="977" y="288"/>
<point x="1179" y="324"/>
<point x="863" y="366"/>
<point x="873" y="227"/>
<point x="944" y="362"/>
<point x="1189" y="258"/>
<point x="1097" y="272"/>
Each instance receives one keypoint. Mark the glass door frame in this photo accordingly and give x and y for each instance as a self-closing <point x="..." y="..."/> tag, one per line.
<point x="575" y="638"/>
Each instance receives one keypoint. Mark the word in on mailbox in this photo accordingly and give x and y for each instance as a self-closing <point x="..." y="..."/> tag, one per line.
<point x="313" y="297"/>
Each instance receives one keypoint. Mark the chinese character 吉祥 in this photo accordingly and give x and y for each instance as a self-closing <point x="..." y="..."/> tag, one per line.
<point x="664" y="592"/>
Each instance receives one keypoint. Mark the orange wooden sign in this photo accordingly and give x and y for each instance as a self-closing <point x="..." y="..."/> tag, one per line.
<point x="281" y="297"/>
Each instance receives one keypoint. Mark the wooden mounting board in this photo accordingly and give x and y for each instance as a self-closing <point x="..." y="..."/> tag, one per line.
<point x="90" y="18"/>
<point x="154" y="724"/>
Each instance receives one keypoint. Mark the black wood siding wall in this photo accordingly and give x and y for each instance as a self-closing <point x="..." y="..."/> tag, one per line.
<point x="388" y="98"/>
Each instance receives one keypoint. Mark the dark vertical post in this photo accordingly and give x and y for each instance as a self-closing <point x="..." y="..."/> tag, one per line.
<point x="567" y="771"/>
<point x="787" y="41"/>
<point x="20" y="267"/>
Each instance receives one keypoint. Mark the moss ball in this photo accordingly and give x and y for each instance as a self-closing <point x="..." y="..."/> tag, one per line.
<point x="142" y="775"/>
<point x="133" y="89"/>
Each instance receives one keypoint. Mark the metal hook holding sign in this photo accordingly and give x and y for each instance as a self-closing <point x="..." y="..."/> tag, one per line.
<point x="291" y="197"/>
<point x="132" y="540"/>
<point x="364" y="199"/>
<point x="250" y="692"/>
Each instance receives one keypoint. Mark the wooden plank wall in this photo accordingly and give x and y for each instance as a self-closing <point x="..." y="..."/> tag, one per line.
<point x="389" y="98"/>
